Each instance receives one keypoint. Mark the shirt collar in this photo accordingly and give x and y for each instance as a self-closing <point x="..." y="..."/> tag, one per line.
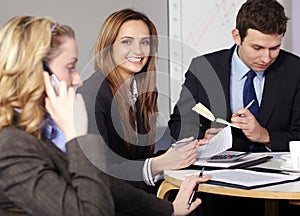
<point x="18" y="110"/>
<point x="133" y="95"/>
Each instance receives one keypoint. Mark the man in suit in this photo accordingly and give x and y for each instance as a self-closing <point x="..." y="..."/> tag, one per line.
<point x="217" y="81"/>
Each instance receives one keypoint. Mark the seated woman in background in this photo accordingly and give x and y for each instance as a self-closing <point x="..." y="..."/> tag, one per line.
<point x="36" y="177"/>
<point x="121" y="98"/>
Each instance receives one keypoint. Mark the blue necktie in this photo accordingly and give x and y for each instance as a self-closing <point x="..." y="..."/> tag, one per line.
<point x="249" y="94"/>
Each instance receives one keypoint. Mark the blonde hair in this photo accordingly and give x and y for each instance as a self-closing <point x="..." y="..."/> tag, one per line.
<point x="25" y="41"/>
<point x="146" y="79"/>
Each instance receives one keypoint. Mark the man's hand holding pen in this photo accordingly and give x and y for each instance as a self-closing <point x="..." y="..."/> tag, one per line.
<point x="187" y="189"/>
<point x="242" y="112"/>
<point x="250" y="126"/>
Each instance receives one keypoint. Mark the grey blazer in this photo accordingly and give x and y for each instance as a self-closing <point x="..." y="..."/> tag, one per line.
<point x="36" y="178"/>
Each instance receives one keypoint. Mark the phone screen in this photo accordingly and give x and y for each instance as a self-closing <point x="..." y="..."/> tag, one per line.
<point x="53" y="79"/>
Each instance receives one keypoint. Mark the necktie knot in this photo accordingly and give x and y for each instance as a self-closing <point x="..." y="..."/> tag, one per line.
<point x="249" y="95"/>
<point x="251" y="74"/>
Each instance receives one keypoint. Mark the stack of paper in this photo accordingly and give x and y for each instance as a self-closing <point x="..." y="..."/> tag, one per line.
<point x="247" y="179"/>
<point x="217" y="144"/>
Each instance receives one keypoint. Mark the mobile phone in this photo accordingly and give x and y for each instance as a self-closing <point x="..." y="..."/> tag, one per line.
<point x="53" y="79"/>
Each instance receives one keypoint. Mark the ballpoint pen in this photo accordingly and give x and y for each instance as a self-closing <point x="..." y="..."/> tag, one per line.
<point x="247" y="107"/>
<point x="249" y="104"/>
<point x="194" y="191"/>
<point x="182" y="143"/>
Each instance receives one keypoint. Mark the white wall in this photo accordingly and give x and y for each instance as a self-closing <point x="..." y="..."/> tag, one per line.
<point x="295" y="26"/>
<point x="86" y="17"/>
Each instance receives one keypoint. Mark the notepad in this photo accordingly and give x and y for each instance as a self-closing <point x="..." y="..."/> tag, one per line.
<point x="247" y="179"/>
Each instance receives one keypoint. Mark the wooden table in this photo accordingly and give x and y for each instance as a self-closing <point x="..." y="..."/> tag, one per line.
<point x="271" y="194"/>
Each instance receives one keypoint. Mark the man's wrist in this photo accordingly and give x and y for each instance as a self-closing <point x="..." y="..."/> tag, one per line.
<point x="266" y="137"/>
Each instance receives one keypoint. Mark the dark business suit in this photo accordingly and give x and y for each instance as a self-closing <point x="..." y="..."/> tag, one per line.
<point x="208" y="81"/>
<point x="104" y="118"/>
<point x="107" y="119"/>
<point x="36" y="177"/>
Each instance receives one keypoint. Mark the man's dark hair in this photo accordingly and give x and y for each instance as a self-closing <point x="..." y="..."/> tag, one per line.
<point x="266" y="16"/>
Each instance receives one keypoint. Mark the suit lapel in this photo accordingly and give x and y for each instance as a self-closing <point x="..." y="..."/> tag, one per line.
<point x="225" y="80"/>
<point x="58" y="158"/>
<point x="270" y="93"/>
<point x="224" y="71"/>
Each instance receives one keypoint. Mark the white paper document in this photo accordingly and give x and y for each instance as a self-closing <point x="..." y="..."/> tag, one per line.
<point x="246" y="179"/>
<point x="219" y="143"/>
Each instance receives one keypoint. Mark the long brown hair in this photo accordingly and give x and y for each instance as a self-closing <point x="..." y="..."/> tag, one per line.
<point x="25" y="41"/>
<point x="146" y="78"/>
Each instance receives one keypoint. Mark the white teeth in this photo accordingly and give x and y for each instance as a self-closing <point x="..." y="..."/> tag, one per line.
<point x="132" y="59"/>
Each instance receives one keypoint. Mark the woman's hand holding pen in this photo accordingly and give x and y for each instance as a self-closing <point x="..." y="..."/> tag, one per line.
<point x="250" y="126"/>
<point x="184" y="194"/>
<point x="177" y="157"/>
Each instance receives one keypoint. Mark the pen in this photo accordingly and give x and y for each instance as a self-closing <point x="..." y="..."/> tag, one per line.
<point x="179" y="144"/>
<point x="194" y="191"/>
<point x="249" y="104"/>
<point x="247" y="107"/>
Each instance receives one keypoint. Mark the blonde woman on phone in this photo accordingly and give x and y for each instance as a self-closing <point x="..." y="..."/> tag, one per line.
<point x="36" y="176"/>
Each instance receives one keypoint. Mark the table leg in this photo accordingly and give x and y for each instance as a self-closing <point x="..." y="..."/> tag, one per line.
<point x="164" y="188"/>
<point x="294" y="202"/>
<point x="271" y="207"/>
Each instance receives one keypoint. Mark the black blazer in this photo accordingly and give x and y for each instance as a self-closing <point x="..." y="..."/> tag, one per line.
<point x="39" y="179"/>
<point x="104" y="119"/>
<point x="208" y="81"/>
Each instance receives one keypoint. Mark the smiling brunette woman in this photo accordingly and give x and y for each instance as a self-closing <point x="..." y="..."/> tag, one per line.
<point x="123" y="103"/>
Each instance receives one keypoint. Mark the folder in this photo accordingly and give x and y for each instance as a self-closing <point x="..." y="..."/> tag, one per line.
<point x="248" y="179"/>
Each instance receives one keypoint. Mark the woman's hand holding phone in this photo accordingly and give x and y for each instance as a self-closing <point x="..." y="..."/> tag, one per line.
<point x="53" y="78"/>
<point x="66" y="109"/>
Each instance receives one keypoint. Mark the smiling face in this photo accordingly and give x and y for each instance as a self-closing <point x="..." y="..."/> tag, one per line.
<point x="131" y="48"/>
<point x="258" y="51"/>
<point x="64" y="64"/>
